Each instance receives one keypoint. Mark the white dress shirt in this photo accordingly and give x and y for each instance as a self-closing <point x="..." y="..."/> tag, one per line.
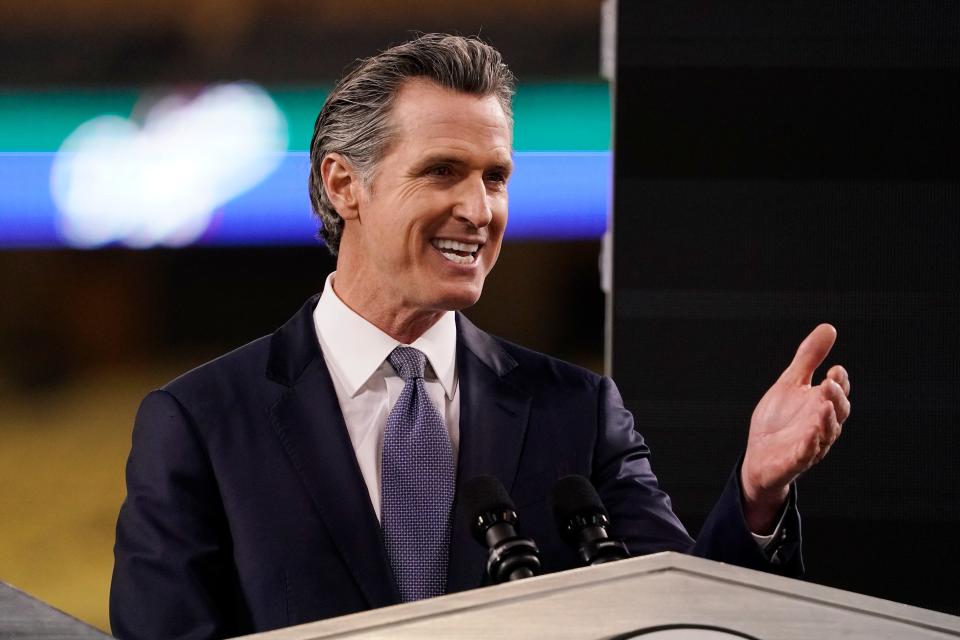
<point x="367" y="387"/>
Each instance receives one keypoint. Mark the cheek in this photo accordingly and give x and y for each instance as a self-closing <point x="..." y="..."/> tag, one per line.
<point x="497" y="228"/>
<point x="500" y="215"/>
<point x="493" y="255"/>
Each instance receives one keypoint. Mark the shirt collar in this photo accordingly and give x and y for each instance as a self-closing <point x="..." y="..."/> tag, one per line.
<point x="356" y="348"/>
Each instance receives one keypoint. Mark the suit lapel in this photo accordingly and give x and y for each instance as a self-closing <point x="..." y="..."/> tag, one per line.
<point x="493" y="422"/>
<point x="308" y="420"/>
<point x="309" y="423"/>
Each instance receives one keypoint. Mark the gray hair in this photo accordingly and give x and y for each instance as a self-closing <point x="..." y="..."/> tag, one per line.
<point x="355" y="119"/>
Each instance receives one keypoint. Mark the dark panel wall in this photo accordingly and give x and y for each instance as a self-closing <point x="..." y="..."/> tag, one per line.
<point x="778" y="165"/>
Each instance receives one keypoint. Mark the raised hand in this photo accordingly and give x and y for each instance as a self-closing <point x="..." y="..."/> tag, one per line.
<point x="792" y="428"/>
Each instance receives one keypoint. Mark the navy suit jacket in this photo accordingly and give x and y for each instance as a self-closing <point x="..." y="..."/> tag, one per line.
<point x="246" y="509"/>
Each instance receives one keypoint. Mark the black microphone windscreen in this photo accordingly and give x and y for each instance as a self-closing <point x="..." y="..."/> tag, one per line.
<point x="482" y="494"/>
<point x="572" y="496"/>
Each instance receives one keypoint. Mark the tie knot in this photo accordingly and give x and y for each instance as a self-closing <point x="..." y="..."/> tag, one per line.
<point x="408" y="362"/>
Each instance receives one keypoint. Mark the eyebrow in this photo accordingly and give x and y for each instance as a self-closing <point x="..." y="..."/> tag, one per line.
<point x="440" y="158"/>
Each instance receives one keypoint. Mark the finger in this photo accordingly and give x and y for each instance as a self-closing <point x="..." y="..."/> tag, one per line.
<point x="810" y="451"/>
<point x="810" y="355"/>
<point x="833" y="392"/>
<point x="821" y="453"/>
<point x="829" y="426"/>
<point x="840" y="375"/>
<point x="843" y="413"/>
<point x="806" y="452"/>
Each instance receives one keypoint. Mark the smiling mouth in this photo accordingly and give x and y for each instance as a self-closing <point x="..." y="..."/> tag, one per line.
<point x="455" y="251"/>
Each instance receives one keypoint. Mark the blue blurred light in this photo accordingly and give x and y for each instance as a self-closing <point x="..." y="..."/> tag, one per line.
<point x="553" y="196"/>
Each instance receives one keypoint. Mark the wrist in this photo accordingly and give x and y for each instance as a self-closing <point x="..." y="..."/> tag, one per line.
<point x="762" y="506"/>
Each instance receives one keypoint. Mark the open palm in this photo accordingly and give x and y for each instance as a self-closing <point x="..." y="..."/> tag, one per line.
<point x="793" y="426"/>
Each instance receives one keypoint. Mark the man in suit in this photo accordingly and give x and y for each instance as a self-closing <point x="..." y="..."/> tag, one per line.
<point x="312" y="473"/>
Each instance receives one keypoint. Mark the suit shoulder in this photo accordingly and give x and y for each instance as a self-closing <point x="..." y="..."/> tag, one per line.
<point x="549" y="370"/>
<point x="231" y="375"/>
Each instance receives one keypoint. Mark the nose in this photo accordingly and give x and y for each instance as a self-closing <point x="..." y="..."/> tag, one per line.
<point x="473" y="202"/>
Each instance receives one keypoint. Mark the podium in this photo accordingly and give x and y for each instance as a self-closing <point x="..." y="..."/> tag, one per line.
<point x="657" y="597"/>
<point x="23" y="617"/>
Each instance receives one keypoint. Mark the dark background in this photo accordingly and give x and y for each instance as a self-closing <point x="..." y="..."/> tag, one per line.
<point x="778" y="165"/>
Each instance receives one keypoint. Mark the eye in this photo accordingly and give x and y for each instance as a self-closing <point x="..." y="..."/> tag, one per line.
<point x="440" y="171"/>
<point x="496" y="177"/>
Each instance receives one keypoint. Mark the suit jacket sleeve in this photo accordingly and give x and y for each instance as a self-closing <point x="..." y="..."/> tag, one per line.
<point x="641" y="513"/>
<point x="172" y="577"/>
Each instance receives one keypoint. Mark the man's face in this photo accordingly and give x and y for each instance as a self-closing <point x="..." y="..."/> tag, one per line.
<point x="430" y="225"/>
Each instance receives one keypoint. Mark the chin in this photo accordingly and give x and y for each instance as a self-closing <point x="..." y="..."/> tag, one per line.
<point x="460" y="299"/>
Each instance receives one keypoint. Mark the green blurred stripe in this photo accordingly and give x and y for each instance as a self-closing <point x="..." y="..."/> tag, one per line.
<point x="562" y="117"/>
<point x="572" y="116"/>
<point x="41" y="120"/>
<point x="300" y="106"/>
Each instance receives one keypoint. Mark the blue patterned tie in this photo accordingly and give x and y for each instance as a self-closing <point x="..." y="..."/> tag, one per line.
<point x="417" y="484"/>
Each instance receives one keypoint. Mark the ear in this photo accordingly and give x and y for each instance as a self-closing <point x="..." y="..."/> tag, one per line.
<point x="342" y="185"/>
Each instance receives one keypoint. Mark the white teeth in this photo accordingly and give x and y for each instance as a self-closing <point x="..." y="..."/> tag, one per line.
<point x="452" y="257"/>
<point x="465" y="247"/>
<point x="443" y="243"/>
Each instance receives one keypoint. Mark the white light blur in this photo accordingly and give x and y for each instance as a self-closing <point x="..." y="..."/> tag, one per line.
<point x="159" y="183"/>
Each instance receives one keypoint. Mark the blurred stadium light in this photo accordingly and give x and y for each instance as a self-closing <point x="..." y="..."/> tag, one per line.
<point x="160" y="183"/>
<point x="213" y="167"/>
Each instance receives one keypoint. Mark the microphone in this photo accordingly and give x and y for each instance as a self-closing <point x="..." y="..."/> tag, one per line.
<point x="583" y="521"/>
<point x="493" y="521"/>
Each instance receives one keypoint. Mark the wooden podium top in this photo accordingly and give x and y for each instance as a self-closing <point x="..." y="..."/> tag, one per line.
<point x="640" y="594"/>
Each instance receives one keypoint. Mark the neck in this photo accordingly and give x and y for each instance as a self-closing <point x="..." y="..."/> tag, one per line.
<point x="403" y="324"/>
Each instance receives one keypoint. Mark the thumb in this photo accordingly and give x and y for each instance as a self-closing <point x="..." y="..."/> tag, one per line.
<point x="810" y="355"/>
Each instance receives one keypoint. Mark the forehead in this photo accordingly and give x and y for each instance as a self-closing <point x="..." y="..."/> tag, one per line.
<point x="425" y="114"/>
